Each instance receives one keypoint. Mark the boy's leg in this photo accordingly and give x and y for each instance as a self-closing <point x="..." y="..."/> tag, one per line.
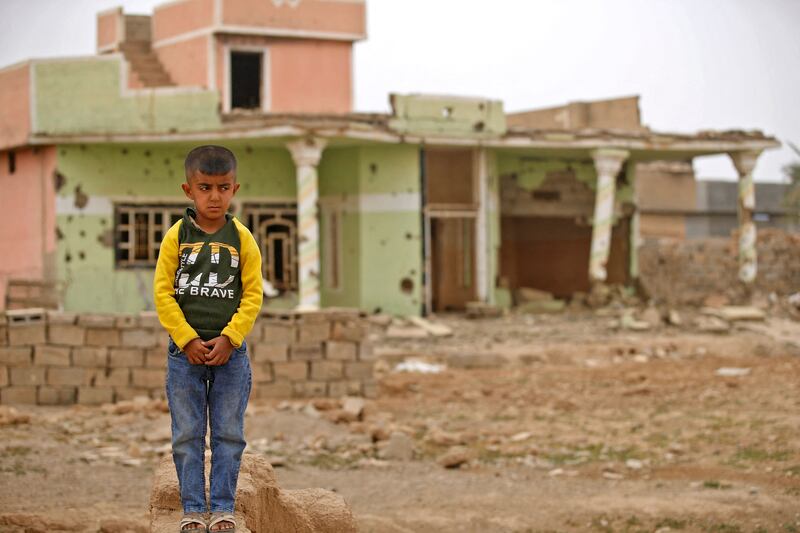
<point x="228" y="393"/>
<point x="188" y="401"/>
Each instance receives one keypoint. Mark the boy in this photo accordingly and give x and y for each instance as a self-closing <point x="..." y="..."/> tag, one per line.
<point x="207" y="290"/>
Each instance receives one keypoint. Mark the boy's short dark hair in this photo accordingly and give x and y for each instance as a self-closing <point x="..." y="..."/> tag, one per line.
<point x="210" y="159"/>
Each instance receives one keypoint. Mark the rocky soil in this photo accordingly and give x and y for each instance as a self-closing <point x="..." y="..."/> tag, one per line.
<point x="583" y="421"/>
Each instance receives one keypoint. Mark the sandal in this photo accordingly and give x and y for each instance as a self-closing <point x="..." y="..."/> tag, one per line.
<point x="217" y="518"/>
<point x="193" y="518"/>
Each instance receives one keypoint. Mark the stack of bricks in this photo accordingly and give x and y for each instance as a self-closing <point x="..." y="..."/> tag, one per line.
<point x="66" y="358"/>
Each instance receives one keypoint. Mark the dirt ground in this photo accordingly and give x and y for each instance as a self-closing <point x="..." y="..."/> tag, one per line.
<point x="547" y="423"/>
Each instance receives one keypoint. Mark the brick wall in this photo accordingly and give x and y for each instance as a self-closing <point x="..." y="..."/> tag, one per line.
<point x="67" y="358"/>
<point x="687" y="272"/>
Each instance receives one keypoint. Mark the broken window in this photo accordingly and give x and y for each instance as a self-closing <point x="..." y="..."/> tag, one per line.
<point x="139" y="229"/>
<point x="274" y="226"/>
<point x="246" y="75"/>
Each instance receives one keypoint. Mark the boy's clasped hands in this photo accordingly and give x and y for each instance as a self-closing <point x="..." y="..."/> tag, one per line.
<point x="212" y="352"/>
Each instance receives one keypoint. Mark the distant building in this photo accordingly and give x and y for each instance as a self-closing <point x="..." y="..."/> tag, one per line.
<point x="443" y="201"/>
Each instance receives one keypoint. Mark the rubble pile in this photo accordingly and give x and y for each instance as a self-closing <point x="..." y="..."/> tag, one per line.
<point x="688" y="272"/>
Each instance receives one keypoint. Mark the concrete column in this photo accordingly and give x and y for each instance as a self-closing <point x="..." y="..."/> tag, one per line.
<point x="481" y="220"/>
<point x="306" y="154"/>
<point x="745" y="162"/>
<point x="608" y="163"/>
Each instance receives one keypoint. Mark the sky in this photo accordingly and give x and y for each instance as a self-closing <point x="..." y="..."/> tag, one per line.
<point x="696" y="64"/>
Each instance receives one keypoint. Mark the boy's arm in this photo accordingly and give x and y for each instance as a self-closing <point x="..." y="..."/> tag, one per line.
<point x="252" y="292"/>
<point x="169" y="312"/>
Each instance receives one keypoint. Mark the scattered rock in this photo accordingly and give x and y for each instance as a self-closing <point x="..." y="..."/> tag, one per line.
<point x="483" y="310"/>
<point x="736" y="313"/>
<point x="732" y="372"/>
<point x="627" y="321"/>
<point x="634" y="464"/>
<point x="476" y="360"/>
<point x="652" y="316"/>
<point x="399" y="447"/>
<point x="353" y="406"/>
<point x="712" y="324"/>
<point x="455" y="457"/>
<point x="405" y="332"/>
<point x="9" y="416"/>
<point x="674" y="318"/>
<point x="436" y="330"/>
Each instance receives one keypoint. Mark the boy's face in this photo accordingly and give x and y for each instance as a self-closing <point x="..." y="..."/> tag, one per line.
<point x="211" y="195"/>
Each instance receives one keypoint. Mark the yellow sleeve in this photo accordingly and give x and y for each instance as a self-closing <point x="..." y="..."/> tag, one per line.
<point x="252" y="292"/>
<point x="169" y="312"/>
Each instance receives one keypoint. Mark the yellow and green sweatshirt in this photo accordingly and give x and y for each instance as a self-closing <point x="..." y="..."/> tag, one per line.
<point x="208" y="285"/>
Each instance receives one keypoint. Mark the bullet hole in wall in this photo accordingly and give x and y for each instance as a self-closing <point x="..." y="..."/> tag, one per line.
<point x="81" y="199"/>
<point x="147" y="153"/>
<point x="59" y="234"/>
<point x="124" y="151"/>
<point x="59" y="180"/>
<point x="376" y="311"/>
<point x="67" y="257"/>
<point x="406" y="285"/>
<point x="248" y="149"/>
<point x="83" y="148"/>
<point x="373" y="167"/>
<point x="383" y="242"/>
<point x="106" y="238"/>
<point x="413" y="272"/>
<point x="82" y="233"/>
<point x="69" y="218"/>
<point x="409" y="236"/>
<point x="166" y="161"/>
<point x="81" y="255"/>
<point x="62" y="152"/>
<point x="102" y="222"/>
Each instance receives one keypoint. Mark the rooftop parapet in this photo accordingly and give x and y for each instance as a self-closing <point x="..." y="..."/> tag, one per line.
<point x="447" y="115"/>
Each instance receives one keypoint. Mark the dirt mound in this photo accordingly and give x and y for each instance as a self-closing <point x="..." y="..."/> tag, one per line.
<point x="261" y="506"/>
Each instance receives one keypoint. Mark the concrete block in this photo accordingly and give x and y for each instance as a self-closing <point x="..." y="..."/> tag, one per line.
<point x="126" y="322"/>
<point x="93" y="320"/>
<point x="27" y="375"/>
<point x="270" y="352"/>
<point x="358" y="369"/>
<point x="69" y="376"/>
<point x="139" y="338"/>
<point x="149" y="319"/>
<point x="341" y="351"/>
<point x="262" y="372"/>
<point x="344" y="388"/>
<point x="125" y="357"/>
<point x="305" y="351"/>
<point x="348" y="331"/>
<point x="129" y="393"/>
<point x="95" y="395"/>
<point x="278" y="389"/>
<point x="51" y="355"/>
<point x="150" y="378"/>
<point x="366" y="351"/>
<point x="309" y="389"/>
<point x="278" y="332"/>
<point x="102" y="337"/>
<point x="57" y="395"/>
<point x="16" y="356"/>
<point x="326" y="370"/>
<point x="90" y="357"/>
<point x="113" y="377"/>
<point x="158" y="393"/>
<point x="314" y="332"/>
<point x="292" y="371"/>
<point x="156" y="358"/>
<point x="27" y="334"/>
<point x="18" y="395"/>
<point x="3" y="376"/>
<point x="61" y="317"/>
<point x="66" y="334"/>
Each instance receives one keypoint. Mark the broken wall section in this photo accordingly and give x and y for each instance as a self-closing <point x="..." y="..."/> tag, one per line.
<point x="90" y="359"/>
<point x="687" y="272"/>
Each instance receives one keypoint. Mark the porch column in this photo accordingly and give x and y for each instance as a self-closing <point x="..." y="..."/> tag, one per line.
<point x="607" y="163"/>
<point x="745" y="162"/>
<point x="306" y="154"/>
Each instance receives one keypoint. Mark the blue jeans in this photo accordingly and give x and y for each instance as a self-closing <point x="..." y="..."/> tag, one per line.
<point x="196" y="395"/>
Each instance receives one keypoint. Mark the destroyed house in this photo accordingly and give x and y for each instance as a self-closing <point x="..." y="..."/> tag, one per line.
<point x="444" y="200"/>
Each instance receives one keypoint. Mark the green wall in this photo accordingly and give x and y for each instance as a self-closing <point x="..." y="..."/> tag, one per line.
<point x="106" y="173"/>
<point x="86" y="95"/>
